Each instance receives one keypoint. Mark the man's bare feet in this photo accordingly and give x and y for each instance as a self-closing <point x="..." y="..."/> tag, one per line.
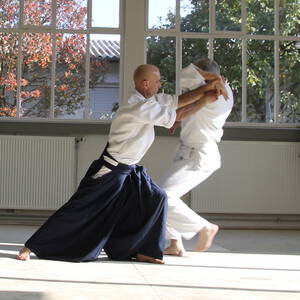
<point x="175" y="248"/>
<point x="206" y="237"/>
<point x="24" y="254"/>
<point x="144" y="258"/>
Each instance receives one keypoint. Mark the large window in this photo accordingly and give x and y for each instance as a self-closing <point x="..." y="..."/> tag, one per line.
<point x="255" y="42"/>
<point x="59" y="59"/>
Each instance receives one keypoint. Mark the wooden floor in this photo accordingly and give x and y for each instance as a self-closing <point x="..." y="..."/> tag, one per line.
<point x="241" y="265"/>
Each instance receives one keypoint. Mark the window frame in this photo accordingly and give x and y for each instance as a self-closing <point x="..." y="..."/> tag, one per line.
<point x="133" y="47"/>
<point x="52" y="29"/>
<point x="244" y="37"/>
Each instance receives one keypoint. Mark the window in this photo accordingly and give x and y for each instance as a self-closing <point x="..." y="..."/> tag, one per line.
<point x="59" y="59"/>
<point x="255" y="42"/>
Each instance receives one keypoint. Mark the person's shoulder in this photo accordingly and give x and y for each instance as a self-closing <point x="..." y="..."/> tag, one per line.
<point x="191" y="68"/>
<point x="191" y="72"/>
<point x="163" y="96"/>
<point x="135" y="97"/>
<point x="166" y="99"/>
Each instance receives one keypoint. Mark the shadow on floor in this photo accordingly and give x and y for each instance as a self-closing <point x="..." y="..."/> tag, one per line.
<point x="18" y="295"/>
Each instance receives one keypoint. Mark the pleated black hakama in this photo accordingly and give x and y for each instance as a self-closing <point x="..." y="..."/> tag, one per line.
<point x="122" y="212"/>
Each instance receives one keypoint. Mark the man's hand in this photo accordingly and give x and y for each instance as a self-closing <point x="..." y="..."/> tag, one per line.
<point x="219" y="82"/>
<point x="217" y="85"/>
<point x="211" y="96"/>
<point x="221" y="90"/>
<point x="174" y="127"/>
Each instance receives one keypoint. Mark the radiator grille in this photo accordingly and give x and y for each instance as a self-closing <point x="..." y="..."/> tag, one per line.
<point x="36" y="172"/>
<point x="255" y="177"/>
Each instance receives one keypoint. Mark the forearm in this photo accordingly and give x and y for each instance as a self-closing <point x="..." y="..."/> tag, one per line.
<point x="191" y="96"/>
<point x="188" y="110"/>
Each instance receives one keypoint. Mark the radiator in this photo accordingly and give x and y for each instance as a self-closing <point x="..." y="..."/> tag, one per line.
<point x="36" y="172"/>
<point x="255" y="177"/>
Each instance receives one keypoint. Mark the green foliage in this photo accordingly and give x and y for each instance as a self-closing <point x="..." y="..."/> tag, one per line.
<point x="260" y="17"/>
<point x="289" y="82"/>
<point x="228" y="15"/>
<point x="197" y="21"/>
<point x="161" y="52"/>
<point x="228" y="54"/>
<point x="36" y="60"/>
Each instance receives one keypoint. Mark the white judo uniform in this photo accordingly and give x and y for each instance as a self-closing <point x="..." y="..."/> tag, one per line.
<point x="132" y="130"/>
<point x="196" y="158"/>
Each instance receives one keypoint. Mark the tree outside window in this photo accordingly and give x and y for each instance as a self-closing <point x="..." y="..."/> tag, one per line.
<point x="44" y="60"/>
<point x="254" y="40"/>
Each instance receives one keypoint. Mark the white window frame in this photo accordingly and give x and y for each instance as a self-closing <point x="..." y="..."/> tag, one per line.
<point x="51" y="29"/>
<point x="244" y="37"/>
<point x="133" y="30"/>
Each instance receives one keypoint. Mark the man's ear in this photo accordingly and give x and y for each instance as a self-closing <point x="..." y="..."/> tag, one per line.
<point x="146" y="83"/>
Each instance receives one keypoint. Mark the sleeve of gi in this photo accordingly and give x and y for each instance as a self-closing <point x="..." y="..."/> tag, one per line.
<point x="190" y="78"/>
<point x="159" y="110"/>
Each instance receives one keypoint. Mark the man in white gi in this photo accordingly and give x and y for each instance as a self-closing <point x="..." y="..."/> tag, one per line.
<point x="128" y="139"/>
<point x="196" y="158"/>
<point x="117" y="207"/>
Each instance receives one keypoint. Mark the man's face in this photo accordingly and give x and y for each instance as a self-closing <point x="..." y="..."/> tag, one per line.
<point x="154" y="84"/>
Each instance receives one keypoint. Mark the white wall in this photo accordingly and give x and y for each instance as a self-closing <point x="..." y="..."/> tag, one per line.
<point x="211" y="195"/>
<point x="157" y="158"/>
<point x="89" y="149"/>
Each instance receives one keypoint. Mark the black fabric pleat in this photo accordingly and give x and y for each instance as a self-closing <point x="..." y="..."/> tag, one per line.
<point x="122" y="212"/>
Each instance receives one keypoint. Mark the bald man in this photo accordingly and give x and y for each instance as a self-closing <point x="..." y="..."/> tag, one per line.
<point x="117" y="206"/>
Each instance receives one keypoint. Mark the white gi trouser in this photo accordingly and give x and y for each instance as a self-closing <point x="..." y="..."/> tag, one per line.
<point x="190" y="167"/>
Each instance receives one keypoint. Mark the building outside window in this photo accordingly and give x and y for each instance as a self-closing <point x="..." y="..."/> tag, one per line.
<point x="59" y="59"/>
<point x="62" y="59"/>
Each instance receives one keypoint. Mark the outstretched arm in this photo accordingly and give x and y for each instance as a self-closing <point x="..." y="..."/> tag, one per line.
<point x="186" y="111"/>
<point x="196" y="94"/>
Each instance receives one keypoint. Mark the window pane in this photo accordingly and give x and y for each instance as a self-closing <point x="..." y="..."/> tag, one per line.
<point x="104" y="76"/>
<point x="260" y="89"/>
<point x="194" y="15"/>
<point x="37" y="12"/>
<point x="161" y="14"/>
<point x="260" y="16"/>
<point x="36" y="67"/>
<point x="228" y="54"/>
<point x="228" y="15"/>
<point x="193" y="50"/>
<point x="290" y="17"/>
<point x="8" y="74"/>
<point x="70" y="76"/>
<point x="105" y="14"/>
<point x="71" y="14"/>
<point x="289" y="111"/>
<point x="9" y="13"/>
<point x="161" y="53"/>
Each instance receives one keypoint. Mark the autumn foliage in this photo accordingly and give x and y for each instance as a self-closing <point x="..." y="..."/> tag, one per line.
<point x="37" y="67"/>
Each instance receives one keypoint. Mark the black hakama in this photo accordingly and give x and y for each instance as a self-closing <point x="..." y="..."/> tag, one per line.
<point x="122" y="212"/>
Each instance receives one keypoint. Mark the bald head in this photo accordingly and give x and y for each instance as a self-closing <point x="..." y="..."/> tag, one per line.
<point x="144" y="72"/>
<point x="147" y="79"/>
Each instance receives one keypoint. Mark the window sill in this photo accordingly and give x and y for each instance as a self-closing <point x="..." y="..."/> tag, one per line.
<point x="232" y="131"/>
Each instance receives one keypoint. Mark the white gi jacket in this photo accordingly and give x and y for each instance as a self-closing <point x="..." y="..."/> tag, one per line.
<point x="132" y="130"/>
<point x="197" y="157"/>
<point x="203" y="130"/>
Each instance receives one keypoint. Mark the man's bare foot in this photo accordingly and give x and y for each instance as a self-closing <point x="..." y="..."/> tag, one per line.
<point x="144" y="258"/>
<point x="206" y="237"/>
<point x="175" y="248"/>
<point x="24" y="254"/>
